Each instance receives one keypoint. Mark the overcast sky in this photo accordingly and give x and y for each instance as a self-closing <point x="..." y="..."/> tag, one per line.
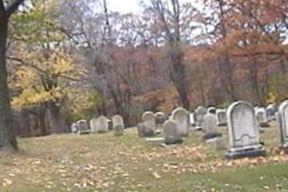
<point x="124" y="6"/>
<point x="129" y="6"/>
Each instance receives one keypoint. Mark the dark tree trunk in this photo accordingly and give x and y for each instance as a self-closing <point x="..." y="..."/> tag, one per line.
<point x="57" y="122"/>
<point x="42" y="121"/>
<point x="7" y="133"/>
<point x="178" y="75"/>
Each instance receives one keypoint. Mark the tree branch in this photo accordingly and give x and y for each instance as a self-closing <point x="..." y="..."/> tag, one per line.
<point x="13" y="7"/>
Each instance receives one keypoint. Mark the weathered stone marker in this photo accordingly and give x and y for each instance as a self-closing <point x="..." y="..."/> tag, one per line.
<point x="283" y="125"/>
<point x="148" y="127"/>
<point x="171" y="135"/>
<point x="199" y="113"/>
<point x="244" y="139"/>
<point x="221" y="117"/>
<point x="181" y="118"/>
<point x="118" y="125"/>
<point x="83" y="127"/>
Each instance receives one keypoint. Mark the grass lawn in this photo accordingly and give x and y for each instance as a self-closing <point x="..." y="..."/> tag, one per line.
<point x="107" y="163"/>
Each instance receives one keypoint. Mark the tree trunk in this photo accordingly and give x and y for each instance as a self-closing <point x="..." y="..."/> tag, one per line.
<point x="7" y="133"/>
<point x="57" y="122"/>
<point x="178" y="75"/>
<point x="42" y="121"/>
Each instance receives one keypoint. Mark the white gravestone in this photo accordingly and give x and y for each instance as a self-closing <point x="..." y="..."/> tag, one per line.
<point x="181" y="117"/>
<point x="283" y="124"/>
<point x="192" y="119"/>
<point x="118" y="125"/>
<point x="244" y="138"/>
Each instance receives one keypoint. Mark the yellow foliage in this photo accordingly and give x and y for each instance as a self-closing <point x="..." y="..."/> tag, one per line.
<point x="43" y="80"/>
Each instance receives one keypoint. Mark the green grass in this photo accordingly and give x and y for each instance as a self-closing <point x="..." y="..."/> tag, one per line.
<point x="106" y="163"/>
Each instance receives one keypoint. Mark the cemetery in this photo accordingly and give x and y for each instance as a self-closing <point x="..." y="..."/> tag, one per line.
<point x="176" y="158"/>
<point x="143" y="96"/>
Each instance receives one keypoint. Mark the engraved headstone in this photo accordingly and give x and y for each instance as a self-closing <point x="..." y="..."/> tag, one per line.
<point x="244" y="138"/>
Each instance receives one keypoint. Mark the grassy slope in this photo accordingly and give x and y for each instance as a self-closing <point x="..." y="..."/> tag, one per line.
<point x="106" y="163"/>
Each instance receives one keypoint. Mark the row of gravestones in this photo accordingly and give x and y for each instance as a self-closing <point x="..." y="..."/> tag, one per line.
<point x="99" y="125"/>
<point x="243" y="126"/>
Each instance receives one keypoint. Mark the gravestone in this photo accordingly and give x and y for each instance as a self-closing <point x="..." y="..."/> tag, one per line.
<point x="82" y="127"/>
<point x="181" y="118"/>
<point x="200" y="112"/>
<point x="244" y="139"/>
<point x="210" y="127"/>
<point x="102" y="124"/>
<point x="118" y="125"/>
<point x="221" y="117"/>
<point x="74" y="128"/>
<point x="149" y="123"/>
<point x="160" y="118"/>
<point x="282" y="118"/>
<point x="209" y="123"/>
<point x="211" y="110"/>
<point x="93" y="125"/>
<point x="192" y="119"/>
<point x="261" y="116"/>
<point x="271" y="112"/>
<point x="171" y="136"/>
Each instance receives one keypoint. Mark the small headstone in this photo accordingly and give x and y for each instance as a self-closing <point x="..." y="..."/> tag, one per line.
<point x="149" y="123"/>
<point x="282" y="118"/>
<point x="271" y="112"/>
<point x="181" y="118"/>
<point x="171" y="135"/>
<point x="74" y="128"/>
<point x="102" y="124"/>
<point x="244" y="137"/>
<point x="118" y="125"/>
<point x="261" y="116"/>
<point x="93" y="125"/>
<point x="160" y="118"/>
<point x="210" y="126"/>
<point x="199" y="113"/>
<point x="209" y="123"/>
<point x="221" y="117"/>
<point x="83" y="127"/>
<point x="192" y="119"/>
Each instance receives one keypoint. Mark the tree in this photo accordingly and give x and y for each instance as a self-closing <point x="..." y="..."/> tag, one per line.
<point x="45" y="72"/>
<point x="7" y="134"/>
<point x="174" y="22"/>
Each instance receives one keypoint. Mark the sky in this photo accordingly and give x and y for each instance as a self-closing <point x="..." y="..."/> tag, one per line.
<point x="124" y="6"/>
